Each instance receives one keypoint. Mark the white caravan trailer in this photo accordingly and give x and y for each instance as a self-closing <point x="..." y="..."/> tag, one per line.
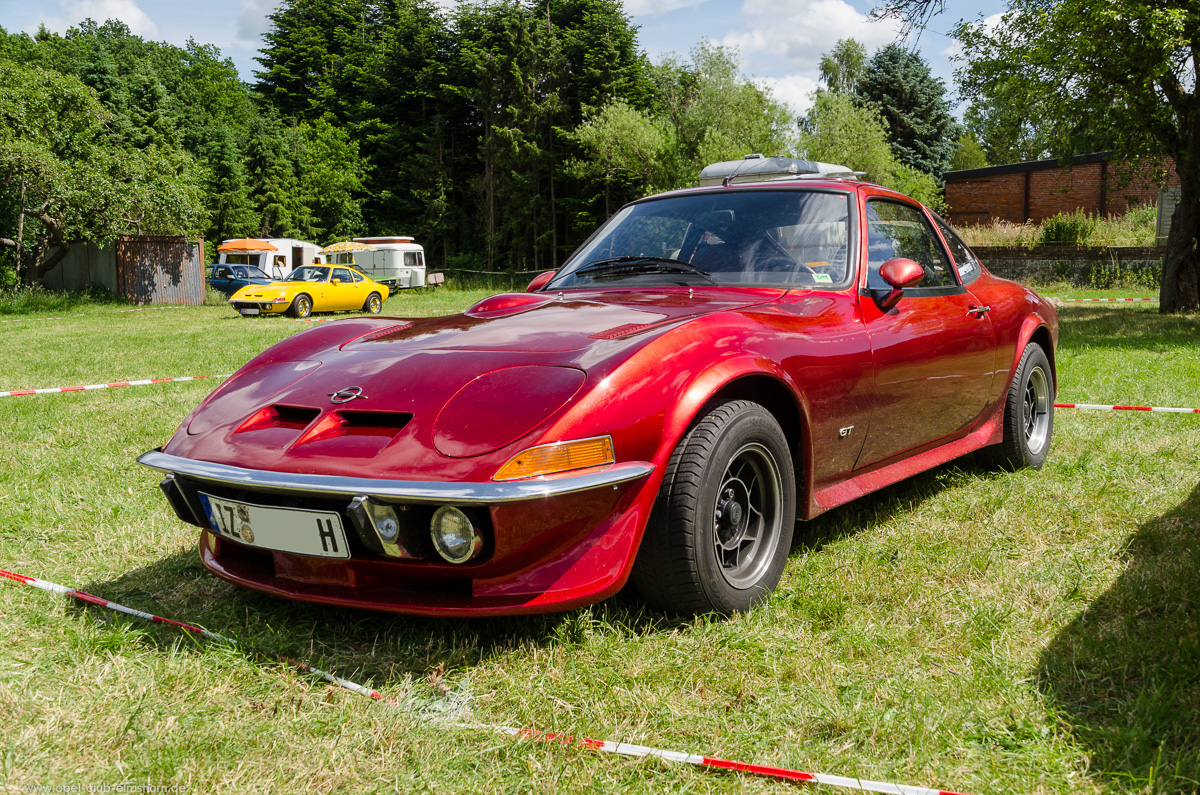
<point x="397" y="262"/>
<point x="290" y="253"/>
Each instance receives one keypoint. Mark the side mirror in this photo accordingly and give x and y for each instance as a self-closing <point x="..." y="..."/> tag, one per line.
<point x="335" y="281"/>
<point x="540" y="281"/>
<point x="900" y="273"/>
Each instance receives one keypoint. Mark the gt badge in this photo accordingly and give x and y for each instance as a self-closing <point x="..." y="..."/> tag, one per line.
<point x="844" y="432"/>
<point x="346" y="395"/>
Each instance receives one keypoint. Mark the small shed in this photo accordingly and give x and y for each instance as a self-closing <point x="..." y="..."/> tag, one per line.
<point x="145" y="269"/>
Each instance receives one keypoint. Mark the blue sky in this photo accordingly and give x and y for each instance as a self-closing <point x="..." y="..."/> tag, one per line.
<point x="781" y="41"/>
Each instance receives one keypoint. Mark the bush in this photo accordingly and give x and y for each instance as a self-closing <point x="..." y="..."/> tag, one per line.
<point x="30" y="300"/>
<point x="1068" y="229"/>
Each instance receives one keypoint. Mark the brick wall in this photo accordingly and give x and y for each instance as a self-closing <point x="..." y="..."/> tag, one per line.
<point x="1041" y="189"/>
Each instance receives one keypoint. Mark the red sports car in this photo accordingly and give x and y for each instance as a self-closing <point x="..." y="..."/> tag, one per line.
<point x="712" y="364"/>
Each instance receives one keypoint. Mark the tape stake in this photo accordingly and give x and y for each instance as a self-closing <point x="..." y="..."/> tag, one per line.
<point x="603" y="746"/>
<point x="90" y="387"/>
<point x="1098" y="407"/>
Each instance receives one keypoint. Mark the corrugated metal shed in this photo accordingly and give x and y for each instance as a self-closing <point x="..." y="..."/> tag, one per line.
<point x="144" y="269"/>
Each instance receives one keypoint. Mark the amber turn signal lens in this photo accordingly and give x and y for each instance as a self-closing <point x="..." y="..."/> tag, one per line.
<point x="548" y="459"/>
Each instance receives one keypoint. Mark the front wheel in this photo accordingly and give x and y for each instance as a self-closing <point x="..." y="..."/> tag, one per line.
<point x="721" y="528"/>
<point x="1028" y="414"/>
<point x="301" y="306"/>
<point x="374" y="304"/>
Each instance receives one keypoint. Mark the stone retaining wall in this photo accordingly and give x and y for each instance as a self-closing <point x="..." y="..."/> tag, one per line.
<point x="1082" y="266"/>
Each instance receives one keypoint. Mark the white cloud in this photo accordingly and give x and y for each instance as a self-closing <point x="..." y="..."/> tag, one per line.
<point x="795" y="33"/>
<point x="72" y="12"/>
<point x="646" y="7"/>
<point x="792" y="90"/>
<point x="252" y="20"/>
<point x="955" y="51"/>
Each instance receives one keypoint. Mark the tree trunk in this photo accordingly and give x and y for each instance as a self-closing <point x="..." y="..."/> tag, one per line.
<point x="1180" y="287"/>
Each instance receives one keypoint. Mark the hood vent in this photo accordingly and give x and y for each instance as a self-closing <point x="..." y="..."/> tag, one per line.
<point x="378" y="333"/>
<point x="623" y="331"/>
<point x="381" y="425"/>
<point x="292" y="418"/>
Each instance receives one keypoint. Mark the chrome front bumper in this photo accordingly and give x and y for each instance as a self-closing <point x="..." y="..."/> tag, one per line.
<point x="407" y="491"/>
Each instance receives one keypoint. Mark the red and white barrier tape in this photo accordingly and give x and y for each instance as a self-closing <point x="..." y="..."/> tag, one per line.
<point x="148" y="308"/>
<point x="27" y="319"/>
<point x="89" y="387"/>
<point x="1124" y="408"/>
<point x="1105" y="300"/>
<point x="605" y="746"/>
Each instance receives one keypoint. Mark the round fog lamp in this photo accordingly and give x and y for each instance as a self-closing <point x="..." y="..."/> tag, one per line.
<point x="454" y="536"/>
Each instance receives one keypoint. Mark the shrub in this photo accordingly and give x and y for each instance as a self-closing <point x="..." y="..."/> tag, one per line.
<point x="1069" y="229"/>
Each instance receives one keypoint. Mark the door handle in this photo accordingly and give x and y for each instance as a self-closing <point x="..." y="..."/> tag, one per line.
<point x="979" y="311"/>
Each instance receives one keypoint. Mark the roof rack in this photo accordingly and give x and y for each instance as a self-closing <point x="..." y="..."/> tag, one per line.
<point x="757" y="168"/>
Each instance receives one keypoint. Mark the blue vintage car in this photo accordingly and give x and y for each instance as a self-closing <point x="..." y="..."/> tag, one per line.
<point x="231" y="278"/>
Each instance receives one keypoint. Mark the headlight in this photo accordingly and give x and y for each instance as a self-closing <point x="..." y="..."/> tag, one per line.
<point x="454" y="536"/>
<point x="548" y="459"/>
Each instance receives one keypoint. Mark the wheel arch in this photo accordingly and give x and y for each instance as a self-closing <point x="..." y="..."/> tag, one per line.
<point x="772" y="391"/>
<point x="1036" y="331"/>
<point x="771" y="394"/>
<point x="1041" y="336"/>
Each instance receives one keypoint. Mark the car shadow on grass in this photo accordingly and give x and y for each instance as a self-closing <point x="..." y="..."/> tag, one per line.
<point x="1125" y="328"/>
<point x="882" y="506"/>
<point x="387" y="650"/>
<point x="379" y="649"/>
<point x="1125" y="675"/>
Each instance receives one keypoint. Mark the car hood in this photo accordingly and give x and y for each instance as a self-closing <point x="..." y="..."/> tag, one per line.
<point x="557" y="322"/>
<point x="427" y="398"/>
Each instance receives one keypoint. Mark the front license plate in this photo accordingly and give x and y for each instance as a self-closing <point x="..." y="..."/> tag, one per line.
<point x="317" y="533"/>
<point x="249" y="311"/>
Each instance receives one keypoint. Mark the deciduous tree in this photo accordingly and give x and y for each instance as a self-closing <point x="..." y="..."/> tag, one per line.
<point x="73" y="179"/>
<point x="1122" y="67"/>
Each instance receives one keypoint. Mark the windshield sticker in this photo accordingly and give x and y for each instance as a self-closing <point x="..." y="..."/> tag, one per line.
<point x="823" y="278"/>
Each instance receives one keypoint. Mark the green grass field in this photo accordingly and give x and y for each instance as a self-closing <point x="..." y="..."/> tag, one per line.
<point x="971" y="630"/>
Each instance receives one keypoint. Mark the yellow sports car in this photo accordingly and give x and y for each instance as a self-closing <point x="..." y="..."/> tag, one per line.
<point x="312" y="288"/>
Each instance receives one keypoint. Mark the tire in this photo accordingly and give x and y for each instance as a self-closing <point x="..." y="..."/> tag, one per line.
<point x="374" y="304"/>
<point x="301" y="306"/>
<point x="721" y="528"/>
<point x="1028" y="414"/>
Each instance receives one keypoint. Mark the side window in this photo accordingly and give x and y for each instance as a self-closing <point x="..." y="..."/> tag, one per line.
<point x="900" y="230"/>
<point x="964" y="258"/>
<point x="343" y="274"/>
<point x="356" y="276"/>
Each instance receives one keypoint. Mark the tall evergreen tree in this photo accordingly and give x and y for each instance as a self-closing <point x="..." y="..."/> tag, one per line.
<point x="913" y="102"/>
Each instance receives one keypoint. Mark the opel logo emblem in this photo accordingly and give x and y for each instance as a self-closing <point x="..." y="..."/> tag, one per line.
<point x="347" y="394"/>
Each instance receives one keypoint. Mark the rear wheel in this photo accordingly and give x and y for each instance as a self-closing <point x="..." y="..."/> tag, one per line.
<point x="1028" y="414"/>
<point x="374" y="304"/>
<point x="721" y="528"/>
<point x="301" y="306"/>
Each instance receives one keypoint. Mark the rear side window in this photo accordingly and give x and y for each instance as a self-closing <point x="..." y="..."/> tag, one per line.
<point x="901" y="230"/>
<point x="964" y="259"/>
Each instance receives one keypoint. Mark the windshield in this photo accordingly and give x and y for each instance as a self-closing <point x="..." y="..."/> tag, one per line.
<point x="308" y="273"/>
<point x="777" y="237"/>
<point x="249" y="272"/>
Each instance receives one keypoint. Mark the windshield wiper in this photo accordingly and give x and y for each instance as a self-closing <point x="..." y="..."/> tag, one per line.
<point x="641" y="264"/>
